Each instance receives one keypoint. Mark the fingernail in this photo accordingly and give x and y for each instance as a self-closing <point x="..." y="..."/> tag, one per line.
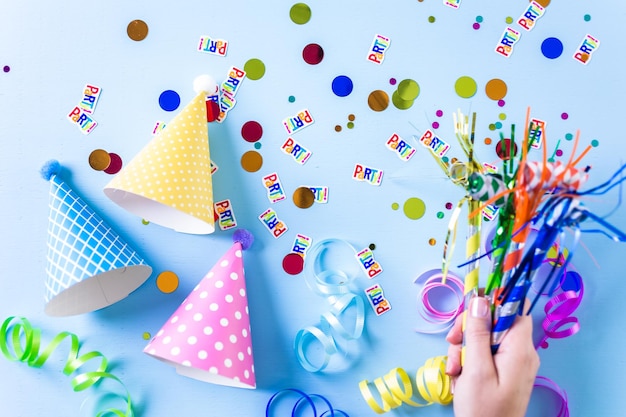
<point x="479" y="307"/>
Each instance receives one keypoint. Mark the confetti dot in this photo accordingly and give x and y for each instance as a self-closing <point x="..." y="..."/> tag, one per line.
<point x="465" y="87"/>
<point x="564" y="116"/>
<point x="99" y="159"/>
<point x="476" y="26"/>
<point x="392" y="81"/>
<point x="444" y="159"/>
<point x="146" y="336"/>
<point x="372" y="246"/>
<point x="431" y="19"/>
<point x="595" y="143"/>
<point x="351" y="117"/>
<point x="479" y="19"/>
<point x="342" y="86"/>
<point x="449" y="206"/>
<point x="167" y="282"/>
<point x="440" y="214"/>
<point x="501" y="103"/>
<point x="569" y="136"/>
<point x="551" y="48"/>
<point x="293" y="263"/>
<point x="559" y="152"/>
<point x="496" y="89"/>
<point x="338" y="128"/>
<point x="212" y="111"/>
<point x="439" y="113"/>
<point x="508" y="20"/>
<point x="502" y="116"/>
<point x="399" y="102"/>
<point x="378" y="100"/>
<point x="487" y="141"/>
<point x="254" y="68"/>
<point x="300" y="13"/>
<point x="137" y="30"/>
<point x="395" y="206"/>
<point x="313" y="54"/>
<point x="350" y="125"/>
<point x="435" y="125"/>
<point x="169" y="100"/>
<point x="587" y="17"/>
<point x="251" y="161"/>
<point x="291" y="99"/>
<point x="414" y="208"/>
<point x="145" y="222"/>
<point x="504" y="148"/>
<point x="432" y="241"/>
<point x="303" y="197"/>
<point x="492" y="126"/>
<point x="543" y="3"/>
<point x="251" y="131"/>
<point x="115" y="165"/>
<point x="6" y="68"/>
<point x="498" y="125"/>
<point x="408" y="89"/>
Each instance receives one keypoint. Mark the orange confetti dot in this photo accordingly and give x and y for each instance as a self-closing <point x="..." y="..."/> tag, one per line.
<point x="167" y="282"/>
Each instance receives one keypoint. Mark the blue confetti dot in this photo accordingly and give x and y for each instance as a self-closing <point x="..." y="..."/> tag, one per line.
<point x="342" y="86"/>
<point x="169" y="100"/>
<point x="552" y="48"/>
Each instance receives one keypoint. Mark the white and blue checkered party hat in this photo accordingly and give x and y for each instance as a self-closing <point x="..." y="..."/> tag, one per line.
<point x="89" y="265"/>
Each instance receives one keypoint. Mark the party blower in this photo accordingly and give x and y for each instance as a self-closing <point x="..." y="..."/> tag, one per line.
<point x="208" y="337"/>
<point x="169" y="182"/>
<point x="89" y="265"/>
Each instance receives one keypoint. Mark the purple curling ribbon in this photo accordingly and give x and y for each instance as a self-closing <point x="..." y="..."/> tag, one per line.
<point x="429" y="309"/>
<point x="548" y="384"/>
<point x="559" y="322"/>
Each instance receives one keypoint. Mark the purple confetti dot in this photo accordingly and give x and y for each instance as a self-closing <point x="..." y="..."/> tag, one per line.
<point x="439" y="113"/>
<point x="564" y="116"/>
<point x="435" y="125"/>
<point x="476" y="26"/>
<point x="501" y="103"/>
<point x="392" y="81"/>
<point x="559" y="152"/>
<point x="6" y="68"/>
<point x="449" y="206"/>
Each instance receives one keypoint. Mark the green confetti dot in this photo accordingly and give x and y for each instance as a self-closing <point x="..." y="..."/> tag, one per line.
<point x="492" y="126"/>
<point x="595" y="143"/>
<point x="146" y="336"/>
<point x="291" y="99"/>
<point x="395" y="206"/>
<point x="414" y="208"/>
<point x="431" y="19"/>
<point x="145" y="222"/>
<point x="465" y="87"/>
<point x="350" y="125"/>
<point x="257" y="145"/>
<point x="502" y="116"/>
<point x="408" y="89"/>
<point x="508" y="20"/>
<point x="440" y="214"/>
<point x="300" y="13"/>
<point x="569" y="136"/>
<point x="254" y="68"/>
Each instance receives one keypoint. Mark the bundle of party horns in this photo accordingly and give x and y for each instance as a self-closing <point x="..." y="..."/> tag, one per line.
<point x="544" y="196"/>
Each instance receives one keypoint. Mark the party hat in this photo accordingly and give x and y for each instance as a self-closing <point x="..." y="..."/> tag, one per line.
<point x="208" y="337"/>
<point x="169" y="181"/>
<point x="89" y="265"/>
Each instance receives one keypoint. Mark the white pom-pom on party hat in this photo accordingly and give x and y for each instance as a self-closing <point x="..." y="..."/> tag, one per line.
<point x="89" y="266"/>
<point x="208" y="337"/>
<point x="169" y="181"/>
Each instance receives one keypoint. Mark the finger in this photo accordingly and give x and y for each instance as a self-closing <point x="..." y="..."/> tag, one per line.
<point x="455" y="335"/>
<point x="478" y="358"/>
<point x="453" y="363"/>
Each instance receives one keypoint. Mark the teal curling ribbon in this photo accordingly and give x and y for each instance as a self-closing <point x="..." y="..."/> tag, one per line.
<point x="335" y="284"/>
<point x="21" y="342"/>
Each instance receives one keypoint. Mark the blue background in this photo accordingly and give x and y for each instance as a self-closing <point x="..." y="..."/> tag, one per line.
<point x="54" y="49"/>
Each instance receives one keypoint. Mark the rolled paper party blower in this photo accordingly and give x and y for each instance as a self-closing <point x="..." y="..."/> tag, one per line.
<point x="89" y="265"/>
<point x="169" y="181"/>
<point x="208" y="337"/>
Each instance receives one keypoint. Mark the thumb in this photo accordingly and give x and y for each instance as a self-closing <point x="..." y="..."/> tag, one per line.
<point x="478" y="336"/>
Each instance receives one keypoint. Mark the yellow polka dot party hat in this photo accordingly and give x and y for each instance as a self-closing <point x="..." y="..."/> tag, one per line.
<point x="169" y="181"/>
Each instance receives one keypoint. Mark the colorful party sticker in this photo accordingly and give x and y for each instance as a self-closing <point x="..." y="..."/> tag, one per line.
<point x="536" y="132"/>
<point x="274" y="225"/>
<point x="320" y="193"/>
<point x="81" y="119"/>
<point x="455" y="4"/>
<point x="158" y="126"/>
<point x="212" y="46"/>
<point x="225" y="214"/>
<point x="508" y="39"/>
<point x="214" y="167"/>
<point x="275" y="190"/>
<point x="301" y="244"/>
<point x="377" y="300"/>
<point x="396" y="144"/>
<point x="379" y="46"/>
<point x="587" y="47"/>
<point x="533" y="12"/>
<point x="368" y="263"/>
<point x="91" y="94"/>
<point x="298" y="122"/>
<point x="298" y="152"/>
<point x="436" y="145"/>
<point x="370" y="175"/>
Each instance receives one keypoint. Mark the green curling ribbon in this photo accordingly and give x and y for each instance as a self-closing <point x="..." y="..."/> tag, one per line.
<point x="21" y="342"/>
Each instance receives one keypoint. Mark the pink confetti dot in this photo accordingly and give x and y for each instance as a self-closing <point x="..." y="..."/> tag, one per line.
<point x="559" y="152"/>
<point x="435" y="125"/>
<point x="6" y="68"/>
<point x="501" y="103"/>
<point x="439" y="113"/>
<point x="449" y="206"/>
<point x="564" y="116"/>
<point x="476" y="26"/>
<point x="392" y="81"/>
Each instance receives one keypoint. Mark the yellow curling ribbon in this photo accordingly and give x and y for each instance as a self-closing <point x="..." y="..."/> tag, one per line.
<point x="21" y="342"/>
<point x="395" y="388"/>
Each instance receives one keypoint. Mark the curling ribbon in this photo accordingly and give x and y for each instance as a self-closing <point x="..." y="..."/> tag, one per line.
<point x="335" y="285"/>
<point x="433" y="281"/>
<point x="546" y="383"/>
<point x="304" y="398"/>
<point x="395" y="388"/>
<point x="16" y="331"/>
<point x="559" y="322"/>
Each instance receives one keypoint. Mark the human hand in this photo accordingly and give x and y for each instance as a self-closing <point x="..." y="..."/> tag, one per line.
<point x="491" y="385"/>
